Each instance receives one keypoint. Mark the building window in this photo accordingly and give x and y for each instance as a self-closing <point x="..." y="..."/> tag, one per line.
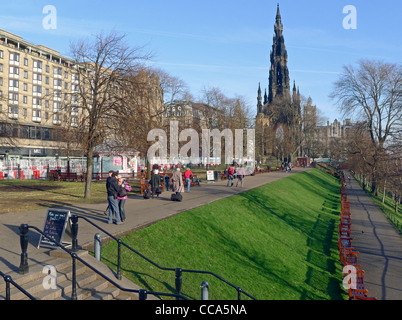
<point x="13" y="96"/>
<point x="24" y="112"/>
<point x="15" y="57"/>
<point x="14" y="70"/>
<point x="25" y="61"/>
<point x="37" y="77"/>
<point x="37" y="65"/>
<point x="37" y="89"/>
<point x="1" y="54"/>
<point x="24" y="132"/>
<point x="13" y="112"/>
<point x="25" y="74"/>
<point x="36" y="116"/>
<point x="13" y="83"/>
<point x="25" y="99"/>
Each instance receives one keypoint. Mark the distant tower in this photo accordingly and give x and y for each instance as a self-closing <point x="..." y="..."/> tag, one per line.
<point x="259" y="100"/>
<point x="278" y="74"/>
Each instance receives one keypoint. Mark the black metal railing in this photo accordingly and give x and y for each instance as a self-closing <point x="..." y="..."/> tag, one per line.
<point x="178" y="271"/>
<point x="24" y="268"/>
<point x="9" y="281"/>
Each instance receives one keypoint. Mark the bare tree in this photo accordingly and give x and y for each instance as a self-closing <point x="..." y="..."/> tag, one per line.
<point x="173" y="88"/>
<point x="373" y="93"/>
<point x="101" y="67"/>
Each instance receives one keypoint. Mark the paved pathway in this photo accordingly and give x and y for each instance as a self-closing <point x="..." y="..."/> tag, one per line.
<point x="378" y="243"/>
<point x="139" y="213"/>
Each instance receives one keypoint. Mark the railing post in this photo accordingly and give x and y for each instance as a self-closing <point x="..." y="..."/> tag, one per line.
<point x="24" y="268"/>
<point x="178" y="281"/>
<point x="74" y="232"/>
<point x="74" y="280"/>
<point x="239" y="291"/>
<point x="143" y="294"/>
<point x="98" y="246"/>
<point x="118" y="259"/>
<point x="7" y="279"/>
<point x="204" y="291"/>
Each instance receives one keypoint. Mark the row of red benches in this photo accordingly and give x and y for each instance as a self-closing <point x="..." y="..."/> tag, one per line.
<point x="352" y="271"/>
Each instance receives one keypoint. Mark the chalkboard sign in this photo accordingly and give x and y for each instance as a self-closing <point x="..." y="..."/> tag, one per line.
<point x="57" y="226"/>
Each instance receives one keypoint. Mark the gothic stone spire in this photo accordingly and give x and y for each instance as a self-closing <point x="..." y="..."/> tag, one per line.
<point x="279" y="74"/>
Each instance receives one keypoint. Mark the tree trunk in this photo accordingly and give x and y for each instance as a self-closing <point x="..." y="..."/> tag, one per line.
<point x="89" y="174"/>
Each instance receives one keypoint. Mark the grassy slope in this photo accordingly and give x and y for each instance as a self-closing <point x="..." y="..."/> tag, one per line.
<point x="276" y="242"/>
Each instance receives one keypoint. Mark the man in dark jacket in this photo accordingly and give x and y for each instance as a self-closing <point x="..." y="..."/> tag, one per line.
<point x="155" y="183"/>
<point x="112" y="188"/>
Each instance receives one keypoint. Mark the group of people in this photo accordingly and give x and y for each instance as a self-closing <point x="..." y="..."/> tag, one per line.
<point x="175" y="181"/>
<point x="117" y="189"/>
<point x="238" y="173"/>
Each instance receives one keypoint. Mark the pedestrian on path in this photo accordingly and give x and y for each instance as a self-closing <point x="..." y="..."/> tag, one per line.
<point x="107" y="181"/>
<point x="112" y="188"/>
<point x="231" y="172"/>
<point x="187" y="176"/>
<point x="177" y="181"/>
<point x="240" y="176"/>
<point x="124" y="187"/>
<point x="155" y="183"/>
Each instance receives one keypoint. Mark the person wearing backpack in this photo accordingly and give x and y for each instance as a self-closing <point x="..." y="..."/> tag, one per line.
<point x="124" y="187"/>
<point x="231" y="172"/>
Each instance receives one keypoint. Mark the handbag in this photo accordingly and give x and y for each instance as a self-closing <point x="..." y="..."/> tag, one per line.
<point x="122" y="192"/>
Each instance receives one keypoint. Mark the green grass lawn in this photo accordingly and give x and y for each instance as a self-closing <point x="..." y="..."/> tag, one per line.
<point x="278" y="241"/>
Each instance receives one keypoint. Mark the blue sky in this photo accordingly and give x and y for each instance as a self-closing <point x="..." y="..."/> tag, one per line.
<point x="224" y="43"/>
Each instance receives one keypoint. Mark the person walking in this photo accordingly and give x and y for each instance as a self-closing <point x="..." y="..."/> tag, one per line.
<point x="188" y="175"/>
<point x="112" y="188"/>
<point x="155" y="183"/>
<point x="106" y="212"/>
<point x="124" y="187"/>
<point x="240" y="177"/>
<point x="231" y="172"/>
<point x="177" y="181"/>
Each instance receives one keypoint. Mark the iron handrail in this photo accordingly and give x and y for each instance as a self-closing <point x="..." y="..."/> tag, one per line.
<point x="9" y="280"/>
<point x="142" y="293"/>
<point x="177" y="270"/>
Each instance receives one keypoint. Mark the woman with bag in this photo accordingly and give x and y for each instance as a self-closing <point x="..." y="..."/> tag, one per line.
<point x="178" y="185"/>
<point x="124" y="187"/>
